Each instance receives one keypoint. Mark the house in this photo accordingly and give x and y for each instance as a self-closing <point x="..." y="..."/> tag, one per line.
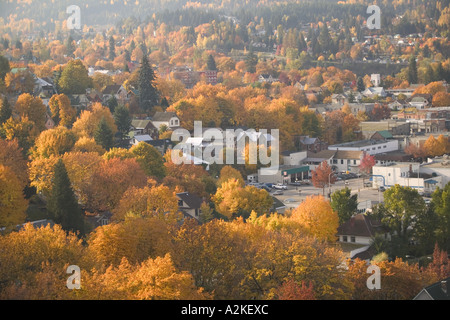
<point x="115" y="90"/>
<point x="143" y="126"/>
<point x="361" y="229"/>
<point x="99" y="219"/>
<point x="162" y="145"/>
<point x="44" y="87"/>
<point x="266" y="78"/>
<point x="344" y="161"/>
<point x="437" y="291"/>
<point x="36" y="224"/>
<point x="135" y="140"/>
<point x="306" y="143"/>
<point x="372" y="92"/>
<point x="189" y="204"/>
<point x="339" y="98"/>
<point x="420" y="101"/>
<point x="169" y="119"/>
<point x="49" y="123"/>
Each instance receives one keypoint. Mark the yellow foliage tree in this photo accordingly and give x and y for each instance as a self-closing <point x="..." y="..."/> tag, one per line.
<point x="12" y="201"/>
<point x="317" y="217"/>
<point x="32" y="108"/>
<point x="56" y="141"/>
<point x="87" y="123"/>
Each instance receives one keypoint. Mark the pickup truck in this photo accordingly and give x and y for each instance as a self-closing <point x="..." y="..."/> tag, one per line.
<point x="280" y="186"/>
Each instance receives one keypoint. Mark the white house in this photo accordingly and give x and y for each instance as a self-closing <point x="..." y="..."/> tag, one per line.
<point x="375" y="79"/>
<point x="169" y="119"/>
<point x="374" y="91"/>
<point x="361" y="229"/>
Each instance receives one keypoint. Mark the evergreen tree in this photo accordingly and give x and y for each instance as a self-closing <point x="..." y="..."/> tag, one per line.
<point x="62" y="203"/>
<point x="148" y="94"/>
<point x="324" y="38"/>
<point x="112" y="48"/>
<point x="360" y="84"/>
<point x="412" y="70"/>
<point x="5" y="110"/>
<point x="70" y="48"/>
<point x="103" y="136"/>
<point x="112" y="104"/>
<point x="122" y="119"/>
<point x="211" y="63"/>
<point x="4" y="67"/>
<point x="344" y="203"/>
<point x="251" y="60"/>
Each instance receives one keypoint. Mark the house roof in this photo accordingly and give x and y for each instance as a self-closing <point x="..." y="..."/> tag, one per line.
<point x="163" y="116"/>
<point x="111" y="89"/>
<point x="343" y="154"/>
<point x="192" y="200"/>
<point x="437" y="291"/>
<point x="385" y="134"/>
<point x="141" y="123"/>
<point x="144" y="137"/>
<point x="360" y="225"/>
<point x="323" y="154"/>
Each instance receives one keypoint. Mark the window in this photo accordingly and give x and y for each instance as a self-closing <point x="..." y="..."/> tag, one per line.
<point x="384" y="147"/>
<point x="344" y="238"/>
<point x="354" y="161"/>
<point x="379" y="147"/>
<point x="180" y="203"/>
<point x="196" y="212"/>
<point x="352" y="239"/>
<point x="342" y="161"/>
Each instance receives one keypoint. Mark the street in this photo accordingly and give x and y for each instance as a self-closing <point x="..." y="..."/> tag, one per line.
<point x="296" y="194"/>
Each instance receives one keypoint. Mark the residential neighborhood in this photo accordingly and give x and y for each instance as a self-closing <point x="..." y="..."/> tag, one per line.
<point x="222" y="150"/>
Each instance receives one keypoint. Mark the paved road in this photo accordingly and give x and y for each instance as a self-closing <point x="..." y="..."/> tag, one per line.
<point x="295" y="195"/>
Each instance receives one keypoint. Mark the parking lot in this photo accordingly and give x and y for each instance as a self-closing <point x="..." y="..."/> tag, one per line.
<point x="295" y="194"/>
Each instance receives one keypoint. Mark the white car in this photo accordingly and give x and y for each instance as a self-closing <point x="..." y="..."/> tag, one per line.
<point x="280" y="186"/>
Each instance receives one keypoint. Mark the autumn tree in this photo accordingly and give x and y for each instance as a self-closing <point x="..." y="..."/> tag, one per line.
<point x="32" y="108"/>
<point x="322" y="176"/>
<point x="61" y="110"/>
<point x="89" y="120"/>
<point x="150" y="159"/>
<point x="85" y="144"/>
<point x="317" y="216"/>
<point x="367" y="163"/>
<point x="74" y="78"/>
<point x="33" y="262"/>
<point x="416" y="151"/>
<point x="23" y="129"/>
<point x="291" y="290"/>
<point x="232" y="199"/>
<point x="156" y="201"/>
<point x="11" y="156"/>
<point x="56" y="141"/>
<point x="62" y="203"/>
<point x="431" y="146"/>
<point x="12" y="201"/>
<point x="227" y="173"/>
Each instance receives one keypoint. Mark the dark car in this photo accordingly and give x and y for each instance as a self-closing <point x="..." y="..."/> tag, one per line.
<point x="382" y="189"/>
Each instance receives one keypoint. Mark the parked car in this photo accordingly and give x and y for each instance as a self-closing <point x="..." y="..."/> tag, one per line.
<point x="278" y="193"/>
<point x="264" y="187"/>
<point x="296" y="184"/>
<point x="280" y="186"/>
<point x="382" y="189"/>
<point x="269" y="185"/>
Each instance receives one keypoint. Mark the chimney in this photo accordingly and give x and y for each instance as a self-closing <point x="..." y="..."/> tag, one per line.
<point x="445" y="286"/>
